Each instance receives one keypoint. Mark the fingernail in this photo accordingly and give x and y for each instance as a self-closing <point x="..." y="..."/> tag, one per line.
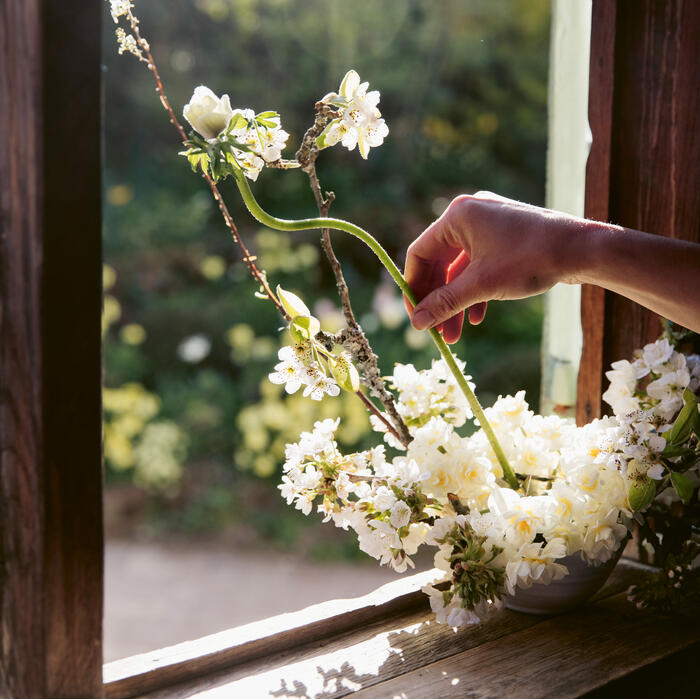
<point x="422" y="319"/>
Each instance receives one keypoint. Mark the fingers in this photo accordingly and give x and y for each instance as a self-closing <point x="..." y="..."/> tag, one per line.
<point x="448" y="300"/>
<point x="452" y="328"/>
<point x="436" y="271"/>
<point x="477" y="313"/>
<point x="429" y="257"/>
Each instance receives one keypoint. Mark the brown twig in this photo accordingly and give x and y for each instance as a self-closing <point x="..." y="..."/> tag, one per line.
<point x="355" y="341"/>
<point x="306" y="157"/>
<point x="376" y="412"/>
<point x="259" y="275"/>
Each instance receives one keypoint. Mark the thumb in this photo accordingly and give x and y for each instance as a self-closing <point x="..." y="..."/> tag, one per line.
<point x="447" y="301"/>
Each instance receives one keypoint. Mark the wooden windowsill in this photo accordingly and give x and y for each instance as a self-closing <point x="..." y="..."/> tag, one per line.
<point x="387" y="644"/>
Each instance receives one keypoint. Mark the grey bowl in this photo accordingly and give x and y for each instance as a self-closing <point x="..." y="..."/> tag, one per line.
<point x="582" y="582"/>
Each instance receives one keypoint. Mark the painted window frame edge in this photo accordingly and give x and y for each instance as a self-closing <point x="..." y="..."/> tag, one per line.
<point x="569" y="140"/>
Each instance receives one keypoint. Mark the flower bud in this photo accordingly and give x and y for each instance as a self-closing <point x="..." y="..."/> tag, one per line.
<point x="344" y="373"/>
<point x="292" y="304"/>
<point x="303" y="328"/>
<point x="208" y="114"/>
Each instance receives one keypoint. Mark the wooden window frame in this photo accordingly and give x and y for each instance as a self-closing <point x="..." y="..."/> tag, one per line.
<point x="51" y="540"/>
<point x="642" y="170"/>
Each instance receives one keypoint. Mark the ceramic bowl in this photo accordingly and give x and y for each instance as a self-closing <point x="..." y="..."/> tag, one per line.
<point x="582" y="582"/>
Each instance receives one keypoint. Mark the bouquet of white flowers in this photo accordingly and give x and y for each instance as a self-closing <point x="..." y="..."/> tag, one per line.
<point x="503" y="506"/>
<point x="581" y="487"/>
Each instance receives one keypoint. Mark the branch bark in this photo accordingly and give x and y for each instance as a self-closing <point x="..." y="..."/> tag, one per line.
<point x="353" y="339"/>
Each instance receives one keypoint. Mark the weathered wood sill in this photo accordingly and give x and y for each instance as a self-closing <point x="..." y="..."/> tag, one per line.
<point x="386" y="645"/>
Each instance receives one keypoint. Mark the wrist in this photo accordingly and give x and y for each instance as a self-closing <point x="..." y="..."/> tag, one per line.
<point x="583" y="256"/>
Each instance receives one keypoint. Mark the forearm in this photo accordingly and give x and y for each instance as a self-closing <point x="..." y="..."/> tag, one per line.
<point x="659" y="273"/>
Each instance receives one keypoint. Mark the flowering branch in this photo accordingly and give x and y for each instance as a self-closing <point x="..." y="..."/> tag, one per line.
<point x="239" y="144"/>
<point x="380" y="416"/>
<point x="140" y="48"/>
<point x="357" y="342"/>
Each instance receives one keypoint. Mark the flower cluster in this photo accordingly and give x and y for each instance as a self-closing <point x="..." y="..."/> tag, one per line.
<point x="299" y="367"/>
<point x="120" y="8"/>
<point x="309" y="362"/>
<point x="490" y="539"/>
<point x="655" y="380"/>
<point x="426" y="394"/>
<point x="382" y="502"/>
<point x="580" y="486"/>
<point x="654" y="398"/>
<point x="359" y="122"/>
<point x="228" y="139"/>
<point x="128" y="43"/>
<point x="231" y="138"/>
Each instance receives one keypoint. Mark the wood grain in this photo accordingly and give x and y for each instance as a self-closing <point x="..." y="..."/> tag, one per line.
<point x="644" y="168"/>
<point x="50" y="373"/>
<point x="566" y="656"/>
<point x="597" y="201"/>
<point x="655" y="153"/>
<point x="355" y="655"/>
<point x="140" y="674"/>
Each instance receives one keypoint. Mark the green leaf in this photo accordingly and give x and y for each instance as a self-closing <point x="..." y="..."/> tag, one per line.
<point x="686" y="421"/>
<point x="238" y="121"/>
<point x="267" y="115"/>
<point x="292" y="304"/>
<point x="683" y="486"/>
<point x="673" y="451"/>
<point x="304" y="328"/>
<point x="344" y="373"/>
<point x="266" y="123"/>
<point x="194" y="161"/>
<point x="641" y="494"/>
<point x="322" y="138"/>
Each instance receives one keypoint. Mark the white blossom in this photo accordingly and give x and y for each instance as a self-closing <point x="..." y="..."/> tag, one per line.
<point x="118" y="8"/>
<point x="656" y="354"/>
<point x="289" y="373"/>
<point x="360" y="123"/>
<point x="208" y="114"/>
<point x="322" y="386"/>
<point x="536" y="563"/>
<point x="400" y="515"/>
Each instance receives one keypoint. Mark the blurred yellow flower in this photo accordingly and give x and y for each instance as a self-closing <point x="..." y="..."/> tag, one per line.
<point x="109" y="277"/>
<point x="133" y="334"/>
<point x="111" y="312"/>
<point x="213" y="267"/>
<point x="119" y="195"/>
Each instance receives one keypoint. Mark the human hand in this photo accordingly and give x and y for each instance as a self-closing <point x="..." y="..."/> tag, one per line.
<point x="486" y="247"/>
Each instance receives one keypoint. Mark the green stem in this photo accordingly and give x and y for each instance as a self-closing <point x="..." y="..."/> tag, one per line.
<point x="322" y="222"/>
<point x="474" y="404"/>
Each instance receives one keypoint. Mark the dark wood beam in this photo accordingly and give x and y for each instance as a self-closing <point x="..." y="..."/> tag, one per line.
<point x="50" y="373"/>
<point x="644" y="167"/>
